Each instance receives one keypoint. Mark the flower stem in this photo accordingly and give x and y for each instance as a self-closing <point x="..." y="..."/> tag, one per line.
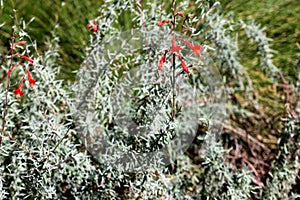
<point x="173" y="64"/>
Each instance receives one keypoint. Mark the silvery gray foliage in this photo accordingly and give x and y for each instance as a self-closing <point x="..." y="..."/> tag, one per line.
<point x="220" y="34"/>
<point x="212" y="179"/>
<point x="220" y="181"/>
<point x="257" y="33"/>
<point x="48" y="158"/>
<point x="41" y="157"/>
<point x="285" y="167"/>
<point x="45" y="158"/>
<point x="125" y="111"/>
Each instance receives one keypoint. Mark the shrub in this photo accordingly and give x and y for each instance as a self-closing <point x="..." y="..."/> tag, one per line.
<point x="63" y="141"/>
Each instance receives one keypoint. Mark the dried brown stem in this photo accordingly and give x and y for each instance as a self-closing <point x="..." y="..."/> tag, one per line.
<point x="246" y="137"/>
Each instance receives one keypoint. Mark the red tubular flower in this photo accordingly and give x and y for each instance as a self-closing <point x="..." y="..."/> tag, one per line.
<point x="174" y="48"/>
<point x="179" y="14"/>
<point x="18" y="91"/>
<point x="184" y="67"/>
<point x="195" y="47"/>
<point x="161" y="62"/>
<point x="94" y="26"/>
<point x="163" y="22"/>
<point x="30" y="79"/>
<point x="26" y="58"/>
<point x="18" y="43"/>
<point x="21" y="43"/>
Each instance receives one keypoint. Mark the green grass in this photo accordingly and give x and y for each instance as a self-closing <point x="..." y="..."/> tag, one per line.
<point x="281" y="18"/>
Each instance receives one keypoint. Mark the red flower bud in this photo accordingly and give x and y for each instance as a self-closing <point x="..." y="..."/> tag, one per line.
<point x="179" y="14"/>
<point x="13" y="45"/>
<point x="21" y="43"/>
<point x="26" y="58"/>
<point x="163" y="22"/>
<point x="184" y="67"/>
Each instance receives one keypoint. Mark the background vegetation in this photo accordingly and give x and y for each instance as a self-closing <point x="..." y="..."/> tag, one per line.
<point x="280" y="18"/>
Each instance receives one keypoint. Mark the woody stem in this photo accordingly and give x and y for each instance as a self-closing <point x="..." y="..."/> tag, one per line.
<point x="173" y="87"/>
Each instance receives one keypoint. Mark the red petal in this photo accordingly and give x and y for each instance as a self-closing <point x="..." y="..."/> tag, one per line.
<point x="163" y="22"/>
<point x="31" y="82"/>
<point x="161" y="62"/>
<point x="18" y="91"/>
<point x="160" y="66"/>
<point x="30" y="79"/>
<point x="179" y="14"/>
<point x="174" y="48"/>
<point x="95" y="26"/>
<point x="26" y="58"/>
<point x="21" y="43"/>
<point x="184" y="67"/>
<point x="195" y="47"/>
<point x="187" y="43"/>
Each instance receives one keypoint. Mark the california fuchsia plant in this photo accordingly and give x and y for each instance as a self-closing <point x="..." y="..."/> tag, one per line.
<point x="144" y="118"/>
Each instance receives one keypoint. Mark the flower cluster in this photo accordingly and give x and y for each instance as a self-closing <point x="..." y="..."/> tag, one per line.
<point x="175" y="49"/>
<point x="18" y="92"/>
